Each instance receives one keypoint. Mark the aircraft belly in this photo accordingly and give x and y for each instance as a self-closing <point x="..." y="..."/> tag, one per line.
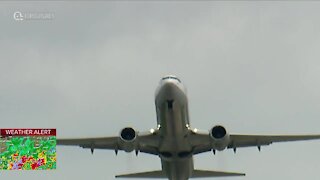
<point x="173" y="132"/>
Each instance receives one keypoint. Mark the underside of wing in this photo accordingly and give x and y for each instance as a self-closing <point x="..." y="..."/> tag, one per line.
<point x="203" y="142"/>
<point x="95" y="143"/>
<point x="144" y="142"/>
<point x="237" y="140"/>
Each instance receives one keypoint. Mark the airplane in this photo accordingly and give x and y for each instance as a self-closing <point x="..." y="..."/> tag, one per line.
<point x="174" y="141"/>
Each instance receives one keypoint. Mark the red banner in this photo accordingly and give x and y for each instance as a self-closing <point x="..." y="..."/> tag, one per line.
<point x="28" y="132"/>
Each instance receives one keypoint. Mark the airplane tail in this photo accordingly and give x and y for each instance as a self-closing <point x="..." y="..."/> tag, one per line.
<point x="195" y="174"/>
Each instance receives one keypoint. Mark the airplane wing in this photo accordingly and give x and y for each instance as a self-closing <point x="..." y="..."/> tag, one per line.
<point x="202" y="142"/>
<point x="146" y="142"/>
<point x="238" y="140"/>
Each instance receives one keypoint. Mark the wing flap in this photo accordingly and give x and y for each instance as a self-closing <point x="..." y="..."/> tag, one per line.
<point x="149" y="174"/>
<point x="205" y="173"/>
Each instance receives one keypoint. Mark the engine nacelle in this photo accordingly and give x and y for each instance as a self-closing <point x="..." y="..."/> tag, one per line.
<point x="220" y="138"/>
<point x="128" y="138"/>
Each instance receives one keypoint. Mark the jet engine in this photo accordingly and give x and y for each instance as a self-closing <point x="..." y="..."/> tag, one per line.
<point x="220" y="138"/>
<point x="128" y="138"/>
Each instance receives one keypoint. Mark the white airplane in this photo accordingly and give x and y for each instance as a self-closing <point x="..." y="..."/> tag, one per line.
<point x="174" y="141"/>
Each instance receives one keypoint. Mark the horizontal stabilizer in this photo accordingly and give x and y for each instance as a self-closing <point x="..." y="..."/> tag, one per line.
<point x="150" y="174"/>
<point x="204" y="173"/>
<point x="195" y="174"/>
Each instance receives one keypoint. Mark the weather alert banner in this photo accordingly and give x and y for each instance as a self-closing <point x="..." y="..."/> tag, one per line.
<point x="27" y="149"/>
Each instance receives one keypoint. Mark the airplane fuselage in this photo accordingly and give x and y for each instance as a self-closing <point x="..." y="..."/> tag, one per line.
<point x="173" y="122"/>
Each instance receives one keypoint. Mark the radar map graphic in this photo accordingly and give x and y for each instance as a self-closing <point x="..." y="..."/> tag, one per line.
<point x="28" y="149"/>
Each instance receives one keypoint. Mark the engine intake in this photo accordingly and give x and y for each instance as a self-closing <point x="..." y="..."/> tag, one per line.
<point x="128" y="138"/>
<point x="218" y="132"/>
<point x="128" y="134"/>
<point x="220" y="138"/>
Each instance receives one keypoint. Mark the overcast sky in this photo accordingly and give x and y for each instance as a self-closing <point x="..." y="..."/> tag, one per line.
<point x="92" y="69"/>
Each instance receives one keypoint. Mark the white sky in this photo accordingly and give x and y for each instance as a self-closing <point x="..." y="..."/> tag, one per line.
<point x="90" y="71"/>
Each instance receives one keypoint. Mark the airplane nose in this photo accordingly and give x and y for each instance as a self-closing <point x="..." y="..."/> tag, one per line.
<point x="169" y="85"/>
<point x="170" y="89"/>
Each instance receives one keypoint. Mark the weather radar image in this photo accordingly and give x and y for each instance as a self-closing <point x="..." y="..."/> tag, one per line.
<point x="27" y="149"/>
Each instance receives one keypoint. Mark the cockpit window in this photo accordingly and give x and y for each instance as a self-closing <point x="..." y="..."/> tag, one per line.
<point x="171" y="77"/>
